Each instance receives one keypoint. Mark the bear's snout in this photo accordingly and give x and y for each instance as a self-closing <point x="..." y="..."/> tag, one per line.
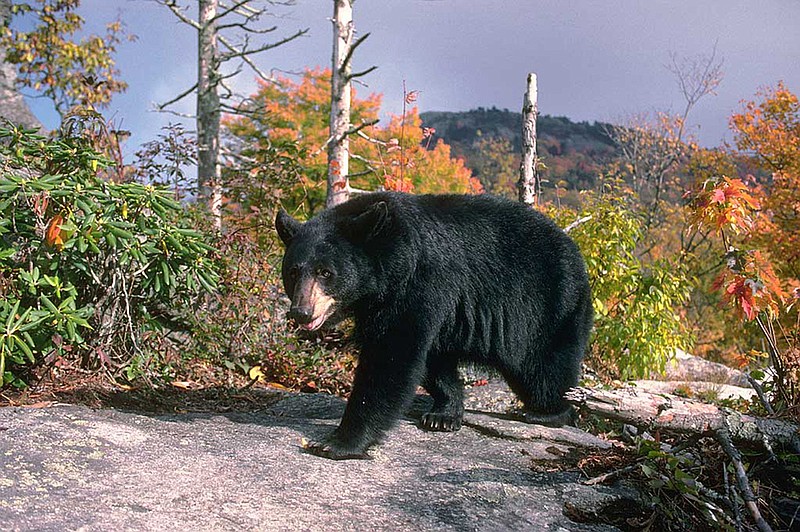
<point x="311" y="306"/>
<point x="301" y="314"/>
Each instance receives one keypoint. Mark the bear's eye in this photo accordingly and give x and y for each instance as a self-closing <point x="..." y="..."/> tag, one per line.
<point x="325" y="274"/>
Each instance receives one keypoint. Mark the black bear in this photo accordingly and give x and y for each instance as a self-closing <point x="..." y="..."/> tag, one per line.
<point x="432" y="281"/>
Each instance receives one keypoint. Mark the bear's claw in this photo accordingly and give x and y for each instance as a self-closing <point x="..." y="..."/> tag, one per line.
<point x="334" y="452"/>
<point x="439" y="422"/>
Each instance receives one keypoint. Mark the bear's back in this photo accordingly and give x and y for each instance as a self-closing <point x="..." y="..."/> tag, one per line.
<point x="480" y="224"/>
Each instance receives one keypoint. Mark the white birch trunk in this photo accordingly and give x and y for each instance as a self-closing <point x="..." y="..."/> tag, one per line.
<point x="208" y="111"/>
<point x="529" y="185"/>
<point x="339" y="145"/>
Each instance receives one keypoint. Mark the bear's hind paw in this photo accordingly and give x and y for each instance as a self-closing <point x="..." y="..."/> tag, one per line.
<point x="565" y="418"/>
<point x="437" y="421"/>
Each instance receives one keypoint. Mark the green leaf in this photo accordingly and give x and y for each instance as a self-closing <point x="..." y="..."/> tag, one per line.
<point x="11" y="315"/>
<point x="24" y="348"/>
<point x="49" y="304"/>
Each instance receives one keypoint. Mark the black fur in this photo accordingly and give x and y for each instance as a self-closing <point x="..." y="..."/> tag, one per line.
<point x="432" y="281"/>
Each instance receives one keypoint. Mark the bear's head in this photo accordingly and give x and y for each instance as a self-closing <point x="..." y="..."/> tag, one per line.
<point x="326" y="265"/>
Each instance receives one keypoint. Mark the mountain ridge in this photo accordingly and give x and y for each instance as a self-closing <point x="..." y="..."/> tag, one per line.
<point x="572" y="153"/>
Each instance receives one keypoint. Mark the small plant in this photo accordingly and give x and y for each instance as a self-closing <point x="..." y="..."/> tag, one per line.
<point x="673" y="482"/>
<point x="637" y="326"/>
<point x="244" y="327"/>
<point x="87" y="266"/>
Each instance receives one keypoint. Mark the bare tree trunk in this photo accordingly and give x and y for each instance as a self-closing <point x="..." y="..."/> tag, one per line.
<point x="208" y="111"/>
<point x="529" y="184"/>
<point x="339" y="145"/>
<point x="214" y="19"/>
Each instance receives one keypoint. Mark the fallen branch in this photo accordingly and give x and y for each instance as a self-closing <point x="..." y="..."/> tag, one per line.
<point x="612" y="475"/>
<point x="684" y="416"/>
<point x="750" y="501"/>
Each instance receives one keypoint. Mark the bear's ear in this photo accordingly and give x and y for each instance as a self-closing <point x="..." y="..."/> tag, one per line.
<point x="286" y="226"/>
<point x="370" y="222"/>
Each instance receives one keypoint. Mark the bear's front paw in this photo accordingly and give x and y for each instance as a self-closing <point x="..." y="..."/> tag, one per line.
<point x="335" y="450"/>
<point x="440" y="422"/>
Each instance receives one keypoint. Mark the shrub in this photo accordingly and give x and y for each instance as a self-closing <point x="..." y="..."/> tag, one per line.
<point x="637" y="326"/>
<point x="87" y="266"/>
<point x="244" y="326"/>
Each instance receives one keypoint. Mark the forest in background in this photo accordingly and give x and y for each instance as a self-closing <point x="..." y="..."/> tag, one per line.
<point x="142" y="272"/>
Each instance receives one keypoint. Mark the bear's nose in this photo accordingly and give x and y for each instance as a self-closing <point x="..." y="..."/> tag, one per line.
<point x="301" y="314"/>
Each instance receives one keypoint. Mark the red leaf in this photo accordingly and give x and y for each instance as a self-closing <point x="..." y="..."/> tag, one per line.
<point x="748" y="309"/>
<point x="718" y="196"/>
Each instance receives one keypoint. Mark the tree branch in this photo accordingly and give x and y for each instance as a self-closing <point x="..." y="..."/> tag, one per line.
<point x="352" y="131"/>
<point x="245" y="26"/>
<point x="365" y="124"/>
<point x="176" y="113"/>
<point x="179" y="97"/>
<point x="234" y="8"/>
<point x="751" y="502"/>
<point x="362" y="73"/>
<point x="242" y="52"/>
<point x="176" y="9"/>
<point x="577" y="222"/>
<point x="350" y="51"/>
<point x="370" y="139"/>
<point x="235" y="52"/>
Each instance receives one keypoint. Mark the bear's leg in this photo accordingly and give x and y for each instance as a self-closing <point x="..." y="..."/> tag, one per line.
<point x="541" y="382"/>
<point x="383" y="388"/>
<point x="447" y="391"/>
<point x="544" y="374"/>
<point x="544" y="405"/>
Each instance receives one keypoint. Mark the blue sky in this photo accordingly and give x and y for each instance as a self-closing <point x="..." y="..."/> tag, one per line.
<point x="595" y="59"/>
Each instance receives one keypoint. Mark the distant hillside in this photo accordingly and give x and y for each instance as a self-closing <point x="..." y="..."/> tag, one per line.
<point x="573" y="152"/>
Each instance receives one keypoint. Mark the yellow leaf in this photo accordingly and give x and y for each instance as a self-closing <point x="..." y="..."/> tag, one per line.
<point x="255" y="373"/>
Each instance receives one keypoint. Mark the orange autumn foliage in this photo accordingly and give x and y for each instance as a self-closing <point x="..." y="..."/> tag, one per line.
<point x="52" y="235"/>
<point x="725" y="204"/>
<point x="770" y="130"/>
<point x="397" y="156"/>
<point x="758" y="221"/>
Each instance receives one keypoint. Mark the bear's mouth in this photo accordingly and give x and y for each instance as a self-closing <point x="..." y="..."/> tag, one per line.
<point x="317" y="322"/>
<point x="322" y="305"/>
<point x="326" y="307"/>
